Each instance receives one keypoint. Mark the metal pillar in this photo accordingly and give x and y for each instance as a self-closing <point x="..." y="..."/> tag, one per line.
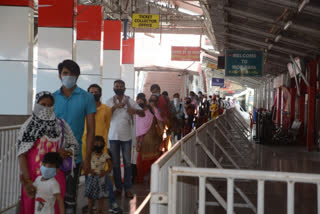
<point x="293" y="92"/>
<point x="302" y="105"/>
<point x="279" y="107"/>
<point x="311" y="104"/>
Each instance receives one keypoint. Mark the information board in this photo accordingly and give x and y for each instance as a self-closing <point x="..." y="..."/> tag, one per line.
<point x="217" y="82"/>
<point x="145" y="20"/>
<point x="244" y="63"/>
<point x="185" y="53"/>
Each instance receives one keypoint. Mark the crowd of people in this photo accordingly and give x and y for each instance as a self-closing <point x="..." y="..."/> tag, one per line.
<point x="71" y="132"/>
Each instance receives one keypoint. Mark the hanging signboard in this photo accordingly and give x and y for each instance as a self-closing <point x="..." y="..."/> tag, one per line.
<point x="211" y="63"/>
<point x="293" y="68"/>
<point x="185" y="53"/>
<point x="217" y="82"/>
<point x="244" y="63"/>
<point x="145" y="20"/>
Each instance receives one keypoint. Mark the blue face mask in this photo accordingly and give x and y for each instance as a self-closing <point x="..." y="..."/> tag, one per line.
<point x="48" y="173"/>
<point x="69" y="81"/>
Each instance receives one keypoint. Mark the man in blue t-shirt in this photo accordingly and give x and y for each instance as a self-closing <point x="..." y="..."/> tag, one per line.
<point x="74" y="105"/>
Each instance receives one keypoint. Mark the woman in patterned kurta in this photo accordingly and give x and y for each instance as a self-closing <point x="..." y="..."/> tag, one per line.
<point x="43" y="132"/>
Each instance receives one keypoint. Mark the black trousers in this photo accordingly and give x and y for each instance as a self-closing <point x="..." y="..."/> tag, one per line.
<point x="72" y="184"/>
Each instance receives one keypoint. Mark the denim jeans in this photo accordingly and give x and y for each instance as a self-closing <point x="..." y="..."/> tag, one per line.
<point x="109" y="185"/>
<point x="125" y="146"/>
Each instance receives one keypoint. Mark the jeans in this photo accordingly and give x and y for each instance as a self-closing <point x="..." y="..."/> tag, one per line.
<point x="70" y="200"/>
<point x="125" y="146"/>
<point x="109" y="185"/>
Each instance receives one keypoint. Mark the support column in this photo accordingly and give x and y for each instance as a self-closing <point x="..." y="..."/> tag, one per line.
<point x="16" y="56"/>
<point x="111" y="57"/>
<point x="279" y="98"/>
<point x="56" y="40"/>
<point x="311" y="104"/>
<point x="293" y="92"/>
<point x="89" y="44"/>
<point x="302" y="99"/>
<point x="127" y="68"/>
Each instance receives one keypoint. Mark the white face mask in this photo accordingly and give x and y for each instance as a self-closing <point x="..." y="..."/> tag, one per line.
<point x="43" y="112"/>
<point x="176" y="101"/>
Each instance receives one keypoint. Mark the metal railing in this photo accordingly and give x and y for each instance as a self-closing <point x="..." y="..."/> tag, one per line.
<point x="210" y="146"/>
<point x="9" y="168"/>
<point x="202" y="174"/>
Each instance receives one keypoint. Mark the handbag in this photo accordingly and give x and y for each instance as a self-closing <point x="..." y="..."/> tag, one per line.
<point x="67" y="163"/>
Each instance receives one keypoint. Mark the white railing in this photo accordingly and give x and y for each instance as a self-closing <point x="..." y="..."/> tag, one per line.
<point x="209" y="146"/>
<point x="9" y="168"/>
<point x="202" y="174"/>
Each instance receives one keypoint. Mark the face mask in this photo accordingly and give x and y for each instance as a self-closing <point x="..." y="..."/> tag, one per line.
<point x="156" y="94"/>
<point x="97" y="97"/>
<point x="69" y="81"/>
<point x="43" y="112"/>
<point x="141" y="105"/>
<point x="98" y="149"/>
<point x="175" y="101"/>
<point x="119" y="92"/>
<point x="48" y="173"/>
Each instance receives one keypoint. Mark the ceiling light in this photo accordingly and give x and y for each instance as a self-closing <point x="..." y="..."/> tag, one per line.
<point x="278" y="38"/>
<point x="287" y="25"/>
<point x="189" y="12"/>
<point x="302" y="5"/>
<point x="270" y="46"/>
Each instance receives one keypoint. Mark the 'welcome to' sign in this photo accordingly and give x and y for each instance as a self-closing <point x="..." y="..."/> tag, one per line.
<point x="244" y="63"/>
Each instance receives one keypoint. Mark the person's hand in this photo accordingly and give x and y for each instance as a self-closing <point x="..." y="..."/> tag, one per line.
<point x="138" y="148"/>
<point x="131" y="111"/>
<point x="30" y="189"/>
<point x="103" y="173"/>
<point x="65" y="153"/>
<point x="118" y="105"/>
<point x="109" y="170"/>
<point x="87" y="167"/>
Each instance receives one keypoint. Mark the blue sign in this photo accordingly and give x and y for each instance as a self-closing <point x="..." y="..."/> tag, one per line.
<point x="244" y="63"/>
<point x="217" y="82"/>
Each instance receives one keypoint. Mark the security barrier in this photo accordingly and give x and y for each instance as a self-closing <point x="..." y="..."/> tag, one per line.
<point x="260" y="177"/>
<point x="220" y="143"/>
<point x="9" y="168"/>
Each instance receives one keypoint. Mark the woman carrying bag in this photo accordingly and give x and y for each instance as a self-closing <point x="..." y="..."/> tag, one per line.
<point x="43" y="132"/>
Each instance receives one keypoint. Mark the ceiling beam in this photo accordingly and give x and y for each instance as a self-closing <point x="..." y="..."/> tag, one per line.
<point x="265" y="45"/>
<point x="241" y="13"/>
<point x="308" y="9"/>
<point x="245" y="29"/>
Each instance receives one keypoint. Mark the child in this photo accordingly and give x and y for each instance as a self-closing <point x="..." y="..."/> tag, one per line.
<point x="95" y="181"/>
<point x="48" y="189"/>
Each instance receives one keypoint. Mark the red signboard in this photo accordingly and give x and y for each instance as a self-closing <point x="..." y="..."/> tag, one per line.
<point x="185" y="53"/>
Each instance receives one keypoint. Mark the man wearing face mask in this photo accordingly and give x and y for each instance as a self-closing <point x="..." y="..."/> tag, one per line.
<point x="120" y="135"/>
<point x="179" y="115"/>
<point x="75" y="105"/>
